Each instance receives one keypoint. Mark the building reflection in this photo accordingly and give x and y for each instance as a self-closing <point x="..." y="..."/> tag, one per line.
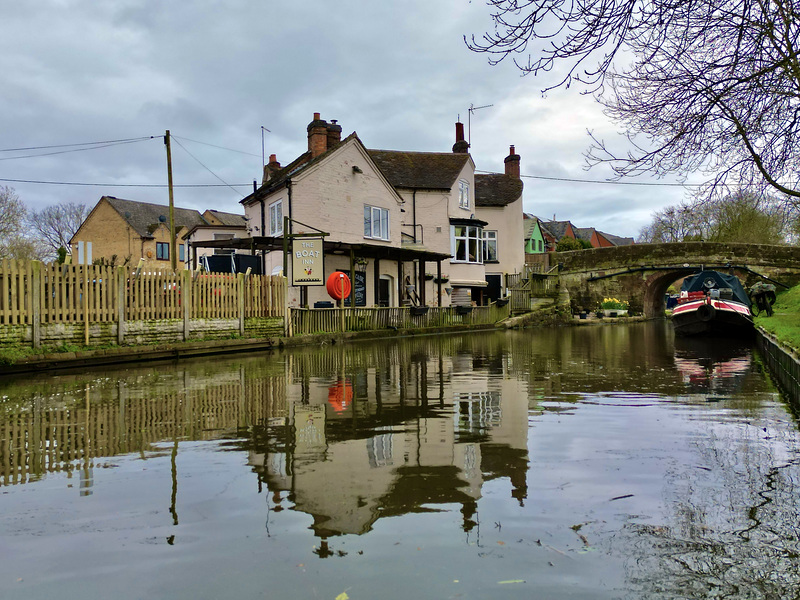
<point x="411" y="431"/>
<point x="346" y="434"/>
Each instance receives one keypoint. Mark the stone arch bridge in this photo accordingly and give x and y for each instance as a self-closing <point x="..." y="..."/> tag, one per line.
<point x="641" y="273"/>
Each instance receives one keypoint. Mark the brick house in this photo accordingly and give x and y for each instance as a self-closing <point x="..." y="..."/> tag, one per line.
<point x="124" y="231"/>
<point x="415" y="223"/>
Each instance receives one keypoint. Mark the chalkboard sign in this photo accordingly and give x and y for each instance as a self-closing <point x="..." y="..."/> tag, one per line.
<point x="359" y="289"/>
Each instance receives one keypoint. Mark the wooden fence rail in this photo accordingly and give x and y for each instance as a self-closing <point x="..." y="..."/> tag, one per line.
<point x="32" y="293"/>
<point x="329" y="320"/>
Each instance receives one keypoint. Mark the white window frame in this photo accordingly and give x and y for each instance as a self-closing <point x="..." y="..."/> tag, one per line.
<point x="376" y="215"/>
<point x="276" y="218"/>
<point x="490" y="239"/>
<point x="469" y="236"/>
<point x="463" y="194"/>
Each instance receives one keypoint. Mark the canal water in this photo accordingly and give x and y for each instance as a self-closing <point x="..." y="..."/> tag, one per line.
<point x="592" y="462"/>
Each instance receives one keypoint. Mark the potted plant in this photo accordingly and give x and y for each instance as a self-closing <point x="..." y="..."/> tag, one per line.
<point x="428" y="276"/>
<point x="614" y="307"/>
<point x="442" y="279"/>
<point x="463" y="310"/>
<point x="419" y="310"/>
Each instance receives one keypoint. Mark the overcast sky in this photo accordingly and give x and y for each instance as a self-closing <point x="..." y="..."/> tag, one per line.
<point x="397" y="73"/>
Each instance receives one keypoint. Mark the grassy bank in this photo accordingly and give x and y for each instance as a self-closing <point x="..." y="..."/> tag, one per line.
<point x="785" y="323"/>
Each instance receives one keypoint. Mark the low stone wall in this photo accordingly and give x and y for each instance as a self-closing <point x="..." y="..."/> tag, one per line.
<point x="783" y="365"/>
<point x="162" y="331"/>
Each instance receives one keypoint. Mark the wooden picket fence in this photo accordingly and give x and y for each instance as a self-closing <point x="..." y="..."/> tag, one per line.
<point x="33" y="292"/>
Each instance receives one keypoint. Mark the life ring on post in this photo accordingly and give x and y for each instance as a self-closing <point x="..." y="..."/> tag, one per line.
<point x="338" y="285"/>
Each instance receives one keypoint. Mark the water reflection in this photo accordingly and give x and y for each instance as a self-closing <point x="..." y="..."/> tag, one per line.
<point x="710" y="367"/>
<point x="607" y="454"/>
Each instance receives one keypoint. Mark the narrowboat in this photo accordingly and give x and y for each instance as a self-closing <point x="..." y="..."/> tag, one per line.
<point x="713" y="303"/>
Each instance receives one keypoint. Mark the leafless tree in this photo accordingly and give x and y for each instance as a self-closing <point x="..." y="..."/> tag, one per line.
<point x="56" y="224"/>
<point x="12" y="213"/>
<point x="697" y="86"/>
<point x="13" y="241"/>
<point x="741" y="217"/>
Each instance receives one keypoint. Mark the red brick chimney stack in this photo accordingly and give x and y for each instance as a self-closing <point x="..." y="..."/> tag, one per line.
<point x="461" y="146"/>
<point x="317" y="136"/>
<point x="512" y="163"/>
<point x="271" y="167"/>
<point x="334" y="133"/>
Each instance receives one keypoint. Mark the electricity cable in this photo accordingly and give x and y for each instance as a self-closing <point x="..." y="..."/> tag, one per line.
<point x="206" y="168"/>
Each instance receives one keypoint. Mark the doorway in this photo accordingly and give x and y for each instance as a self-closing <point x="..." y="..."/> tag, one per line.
<point x="385" y="291"/>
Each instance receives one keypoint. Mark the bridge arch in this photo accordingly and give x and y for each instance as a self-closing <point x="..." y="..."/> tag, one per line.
<point x="641" y="273"/>
<point x="655" y="287"/>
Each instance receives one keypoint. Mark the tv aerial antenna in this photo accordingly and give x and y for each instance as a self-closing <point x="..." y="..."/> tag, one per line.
<point x="472" y="109"/>
<point x="263" y="129"/>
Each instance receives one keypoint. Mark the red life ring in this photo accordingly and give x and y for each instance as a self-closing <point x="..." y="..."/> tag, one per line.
<point x="340" y="395"/>
<point x="338" y="285"/>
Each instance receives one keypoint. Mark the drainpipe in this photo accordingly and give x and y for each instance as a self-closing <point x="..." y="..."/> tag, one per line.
<point x="414" y="211"/>
<point x="263" y="252"/>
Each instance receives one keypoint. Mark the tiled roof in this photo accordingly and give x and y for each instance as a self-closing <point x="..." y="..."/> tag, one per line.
<point x="584" y="233"/>
<point x="144" y="217"/>
<point x="617" y="240"/>
<point x="496" y="189"/>
<point x="229" y="219"/>
<point x="421" y="170"/>
<point x="556" y="228"/>
<point x="528" y="225"/>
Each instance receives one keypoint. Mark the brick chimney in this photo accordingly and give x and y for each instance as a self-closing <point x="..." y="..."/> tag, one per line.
<point x="317" y="136"/>
<point x="271" y="167"/>
<point x="334" y="133"/>
<point x="512" y="163"/>
<point x="461" y="146"/>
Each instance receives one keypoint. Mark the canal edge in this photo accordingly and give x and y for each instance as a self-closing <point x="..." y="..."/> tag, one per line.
<point x="782" y="362"/>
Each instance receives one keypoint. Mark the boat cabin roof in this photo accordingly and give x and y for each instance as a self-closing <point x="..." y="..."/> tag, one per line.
<point x="709" y="280"/>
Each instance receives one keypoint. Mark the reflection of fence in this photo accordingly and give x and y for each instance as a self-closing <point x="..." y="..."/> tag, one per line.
<point x="329" y="320"/>
<point x="32" y="293"/>
<point x="39" y="439"/>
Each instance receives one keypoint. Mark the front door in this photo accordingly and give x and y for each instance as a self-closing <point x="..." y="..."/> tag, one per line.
<point x="385" y="291"/>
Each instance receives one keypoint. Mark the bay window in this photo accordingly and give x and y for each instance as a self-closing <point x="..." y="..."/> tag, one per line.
<point x="467" y="244"/>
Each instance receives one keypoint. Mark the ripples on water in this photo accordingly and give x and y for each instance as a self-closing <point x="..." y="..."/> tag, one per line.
<point x="595" y="462"/>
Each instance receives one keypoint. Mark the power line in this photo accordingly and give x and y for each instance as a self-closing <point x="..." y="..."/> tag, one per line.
<point x="76" y="149"/>
<point x="127" y="185"/>
<point x="205" y="167"/>
<point x="602" y="181"/>
<point x="80" y="144"/>
<point x="175" y="137"/>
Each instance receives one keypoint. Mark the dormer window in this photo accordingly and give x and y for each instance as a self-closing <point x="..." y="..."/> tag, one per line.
<point x="463" y="194"/>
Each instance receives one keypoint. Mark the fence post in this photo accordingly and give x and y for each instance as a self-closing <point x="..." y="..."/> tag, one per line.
<point x="240" y="295"/>
<point x="122" y="298"/>
<point x="186" y="300"/>
<point x="36" y="301"/>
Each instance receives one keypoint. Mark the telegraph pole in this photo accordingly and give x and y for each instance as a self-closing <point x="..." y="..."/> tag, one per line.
<point x="173" y="250"/>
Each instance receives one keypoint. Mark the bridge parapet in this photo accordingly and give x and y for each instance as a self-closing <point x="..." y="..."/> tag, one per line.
<point x="679" y="254"/>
